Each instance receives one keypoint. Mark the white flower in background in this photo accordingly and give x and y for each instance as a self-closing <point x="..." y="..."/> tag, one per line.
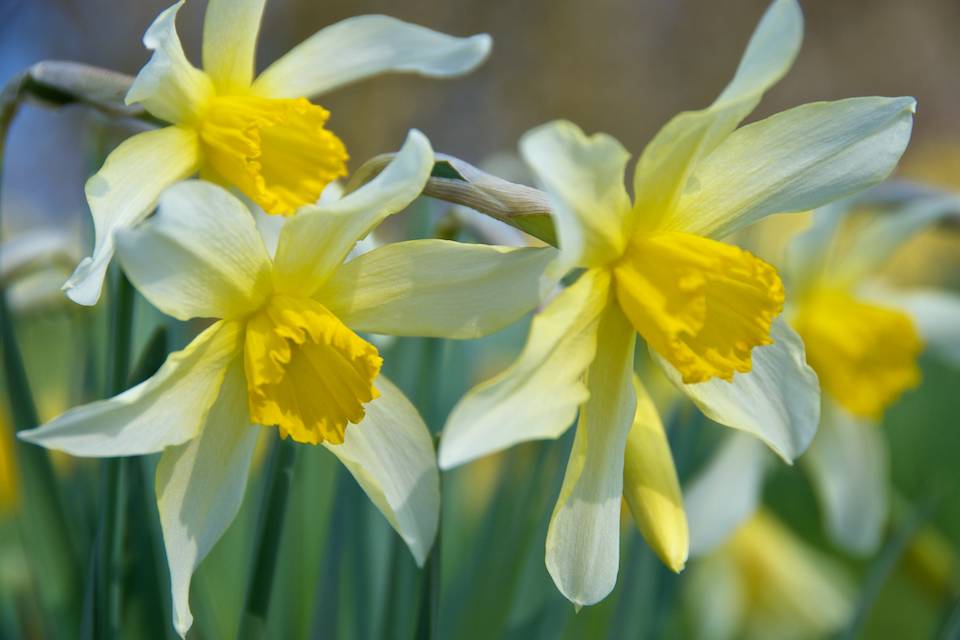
<point x="260" y="135"/>
<point x="656" y="266"/>
<point x="284" y="351"/>
<point x="32" y="266"/>
<point x="864" y="340"/>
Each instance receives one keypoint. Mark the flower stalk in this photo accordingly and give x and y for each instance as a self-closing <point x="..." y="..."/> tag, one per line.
<point x="109" y="580"/>
<point x="273" y="508"/>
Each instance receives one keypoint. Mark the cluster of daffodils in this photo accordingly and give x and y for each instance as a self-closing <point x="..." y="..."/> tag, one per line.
<point x="285" y="346"/>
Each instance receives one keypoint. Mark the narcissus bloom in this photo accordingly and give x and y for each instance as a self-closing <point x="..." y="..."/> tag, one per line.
<point x="708" y="311"/>
<point x="284" y="351"/>
<point x="261" y="136"/>
<point x="765" y="582"/>
<point x="863" y="339"/>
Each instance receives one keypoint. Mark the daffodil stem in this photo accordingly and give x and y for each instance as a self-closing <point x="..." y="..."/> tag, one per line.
<point x="326" y="614"/>
<point x="885" y="562"/>
<point x="44" y="525"/>
<point x="428" y="621"/>
<point x="273" y="510"/>
<point x="113" y="524"/>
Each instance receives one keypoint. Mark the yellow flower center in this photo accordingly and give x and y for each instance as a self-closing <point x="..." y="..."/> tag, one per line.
<point x="864" y="355"/>
<point x="306" y="371"/>
<point x="702" y="305"/>
<point x="276" y="152"/>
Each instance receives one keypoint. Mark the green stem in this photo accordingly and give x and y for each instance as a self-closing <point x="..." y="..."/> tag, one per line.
<point x="431" y="361"/>
<point x="326" y="614"/>
<point x="428" y="621"/>
<point x="269" y="533"/>
<point x="884" y="564"/>
<point x="44" y="524"/>
<point x="398" y="583"/>
<point x="114" y="473"/>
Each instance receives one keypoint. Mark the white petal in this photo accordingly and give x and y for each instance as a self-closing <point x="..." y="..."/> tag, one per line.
<point x="725" y="493"/>
<point x="666" y="164"/>
<point x="886" y="232"/>
<point x="365" y="46"/>
<point x="124" y="191"/>
<point x="848" y="463"/>
<point x="778" y="401"/>
<point x="199" y="256"/>
<point x="318" y="238"/>
<point x="391" y="455"/>
<point x="200" y="487"/>
<point x="584" y="179"/>
<point x="230" y="30"/>
<point x="35" y="249"/>
<point x="770" y="53"/>
<point x="270" y="226"/>
<point x="794" y="161"/>
<point x="436" y="288"/>
<point x="167" y="409"/>
<point x="936" y="314"/>
<point x="583" y="540"/>
<point x="538" y="396"/>
<point x="169" y="86"/>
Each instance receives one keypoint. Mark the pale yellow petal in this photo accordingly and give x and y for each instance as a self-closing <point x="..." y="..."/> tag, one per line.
<point x="651" y="487"/>
<point x="318" y="239"/>
<point x="230" y="30"/>
<point x="796" y="160"/>
<point x="168" y="86"/>
<point x="365" y="46"/>
<point x="167" y="409"/>
<point x="537" y="397"/>
<point x="390" y="453"/>
<point x="436" y="288"/>
<point x="584" y="177"/>
<point x="667" y="163"/>
<point x="199" y="256"/>
<point x="583" y="539"/>
<point x="848" y="463"/>
<point x="200" y="487"/>
<point x="124" y="192"/>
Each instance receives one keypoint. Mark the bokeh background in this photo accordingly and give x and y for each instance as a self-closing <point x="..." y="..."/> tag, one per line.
<point x="620" y="66"/>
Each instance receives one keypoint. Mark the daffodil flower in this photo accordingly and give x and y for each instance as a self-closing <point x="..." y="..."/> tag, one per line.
<point x="864" y="340"/>
<point x="767" y="583"/>
<point x="285" y="352"/>
<point x="708" y="311"/>
<point x="261" y="136"/>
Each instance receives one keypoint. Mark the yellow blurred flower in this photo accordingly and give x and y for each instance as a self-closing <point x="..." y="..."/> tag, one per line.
<point x="767" y="583"/>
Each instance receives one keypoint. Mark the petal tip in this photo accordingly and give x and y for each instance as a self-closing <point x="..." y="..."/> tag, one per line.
<point x="86" y="283"/>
